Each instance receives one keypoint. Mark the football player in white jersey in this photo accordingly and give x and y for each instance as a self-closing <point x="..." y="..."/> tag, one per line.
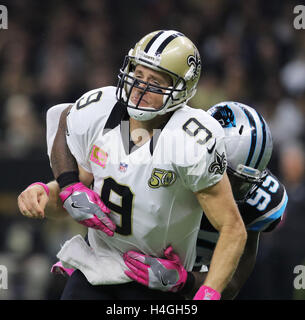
<point x="154" y="164"/>
<point x="260" y="196"/>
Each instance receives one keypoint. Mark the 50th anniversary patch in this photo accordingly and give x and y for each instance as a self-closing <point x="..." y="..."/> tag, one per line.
<point x="161" y="178"/>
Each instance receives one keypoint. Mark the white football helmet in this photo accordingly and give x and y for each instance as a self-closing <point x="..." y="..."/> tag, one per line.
<point x="248" y="146"/>
<point x="166" y="51"/>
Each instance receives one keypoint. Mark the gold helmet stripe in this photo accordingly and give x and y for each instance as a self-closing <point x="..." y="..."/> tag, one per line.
<point x="166" y="42"/>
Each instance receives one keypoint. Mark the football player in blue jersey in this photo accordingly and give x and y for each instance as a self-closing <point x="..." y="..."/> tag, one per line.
<point x="260" y="197"/>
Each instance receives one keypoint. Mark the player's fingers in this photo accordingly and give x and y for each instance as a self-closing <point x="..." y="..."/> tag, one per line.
<point x="136" y="278"/>
<point x="107" y="222"/>
<point x="96" y="198"/>
<point x="104" y="224"/>
<point x="135" y="255"/>
<point x="20" y="204"/>
<point x="171" y="255"/>
<point x="33" y="214"/>
<point x="95" y="223"/>
<point x="43" y="202"/>
<point x="136" y="270"/>
<point x="29" y="206"/>
<point x="22" y="207"/>
<point x="102" y="216"/>
<point x="30" y="197"/>
<point x="36" y="210"/>
<point x="26" y="212"/>
<point x="103" y="207"/>
<point x="137" y="265"/>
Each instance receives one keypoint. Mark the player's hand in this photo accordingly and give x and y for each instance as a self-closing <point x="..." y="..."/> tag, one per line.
<point x="32" y="201"/>
<point x="161" y="274"/>
<point x="85" y="206"/>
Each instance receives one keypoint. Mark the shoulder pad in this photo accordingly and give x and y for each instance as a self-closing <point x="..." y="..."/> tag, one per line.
<point x="191" y="133"/>
<point x="91" y="107"/>
<point x="52" y="121"/>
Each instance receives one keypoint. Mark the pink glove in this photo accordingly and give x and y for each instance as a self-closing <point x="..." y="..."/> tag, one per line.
<point x="206" y="293"/>
<point x="161" y="274"/>
<point x="85" y="206"/>
<point x="58" y="268"/>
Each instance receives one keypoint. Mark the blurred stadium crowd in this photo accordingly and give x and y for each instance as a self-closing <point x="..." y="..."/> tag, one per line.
<point x="54" y="51"/>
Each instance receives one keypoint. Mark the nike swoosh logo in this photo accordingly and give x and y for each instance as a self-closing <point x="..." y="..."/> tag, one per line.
<point x="212" y="148"/>
<point x="163" y="282"/>
<point x="73" y="205"/>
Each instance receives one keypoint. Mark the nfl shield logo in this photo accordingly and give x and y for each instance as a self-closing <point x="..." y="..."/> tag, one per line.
<point x="123" y="166"/>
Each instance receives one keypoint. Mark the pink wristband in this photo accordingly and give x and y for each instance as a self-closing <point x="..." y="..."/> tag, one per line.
<point x="206" y="293"/>
<point x="46" y="188"/>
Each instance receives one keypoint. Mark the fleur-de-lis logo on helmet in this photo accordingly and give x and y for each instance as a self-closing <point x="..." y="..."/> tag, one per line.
<point x="194" y="62"/>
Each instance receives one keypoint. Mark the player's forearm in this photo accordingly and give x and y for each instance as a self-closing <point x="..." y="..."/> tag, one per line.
<point x="226" y="256"/>
<point x="54" y="207"/>
<point x="245" y="267"/>
<point x="61" y="158"/>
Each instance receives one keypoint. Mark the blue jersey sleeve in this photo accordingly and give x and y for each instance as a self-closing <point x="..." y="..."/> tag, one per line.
<point x="265" y="209"/>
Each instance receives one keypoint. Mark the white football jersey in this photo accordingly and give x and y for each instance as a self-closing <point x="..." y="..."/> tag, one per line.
<point x="149" y="189"/>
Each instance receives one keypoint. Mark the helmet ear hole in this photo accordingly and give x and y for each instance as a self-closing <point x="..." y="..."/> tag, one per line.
<point x="241" y="129"/>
